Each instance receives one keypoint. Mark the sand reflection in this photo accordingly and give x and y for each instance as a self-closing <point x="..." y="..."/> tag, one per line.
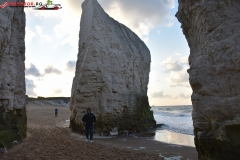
<point x="174" y="138"/>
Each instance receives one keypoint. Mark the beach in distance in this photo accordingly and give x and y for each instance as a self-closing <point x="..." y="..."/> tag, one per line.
<point x="49" y="137"/>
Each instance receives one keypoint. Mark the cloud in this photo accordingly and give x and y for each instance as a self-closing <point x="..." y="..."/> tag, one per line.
<point x="161" y="95"/>
<point x="32" y="71"/>
<point x="184" y="60"/>
<point x="58" y="91"/>
<point x="68" y="29"/>
<point x="38" y="30"/>
<point x="71" y="65"/>
<point x="171" y="64"/>
<point x="158" y="95"/>
<point x="179" y="77"/>
<point x="177" y="70"/>
<point x="44" y="38"/>
<point x="29" y="35"/>
<point x="141" y="16"/>
<point x="178" y="54"/>
<point x="29" y="87"/>
<point x="183" y="96"/>
<point x="51" y="69"/>
<point x="75" y="5"/>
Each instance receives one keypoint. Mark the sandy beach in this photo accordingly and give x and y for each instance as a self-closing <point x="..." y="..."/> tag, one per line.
<point x="49" y="137"/>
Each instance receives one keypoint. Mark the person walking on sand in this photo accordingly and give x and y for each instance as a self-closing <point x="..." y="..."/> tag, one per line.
<point x="56" y="112"/>
<point x="89" y="119"/>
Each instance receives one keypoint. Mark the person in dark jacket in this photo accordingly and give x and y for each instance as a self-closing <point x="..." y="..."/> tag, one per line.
<point x="89" y="119"/>
<point x="56" y="112"/>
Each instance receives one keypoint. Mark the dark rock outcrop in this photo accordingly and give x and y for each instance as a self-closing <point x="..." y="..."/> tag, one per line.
<point x="212" y="29"/>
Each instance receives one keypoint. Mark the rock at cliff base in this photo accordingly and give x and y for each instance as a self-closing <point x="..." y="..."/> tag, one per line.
<point x="212" y="31"/>
<point x="13" y="118"/>
<point x="112" y="74"/>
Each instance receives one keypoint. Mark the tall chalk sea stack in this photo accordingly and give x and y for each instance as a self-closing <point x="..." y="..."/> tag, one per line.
<point x="13" y="118"/>
<point x="112" y="74"/>
<point x="212" y="29"/>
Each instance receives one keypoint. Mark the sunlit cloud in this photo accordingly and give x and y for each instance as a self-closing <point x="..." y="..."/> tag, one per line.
<point x="170" y="64"/>
<point x="179" y="77"/>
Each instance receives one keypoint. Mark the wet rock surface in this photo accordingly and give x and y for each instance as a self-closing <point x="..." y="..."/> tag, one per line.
<point x="12" y="78"/>
<point x="212" y="31"/>
<point x="111" y="75"/>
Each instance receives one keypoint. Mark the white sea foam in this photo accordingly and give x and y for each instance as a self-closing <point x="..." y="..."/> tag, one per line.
<point x="170" y="158"/>
<point x="175" y="118"/>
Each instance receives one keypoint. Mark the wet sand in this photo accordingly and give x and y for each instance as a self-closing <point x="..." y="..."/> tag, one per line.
<point x="48" y="137"/>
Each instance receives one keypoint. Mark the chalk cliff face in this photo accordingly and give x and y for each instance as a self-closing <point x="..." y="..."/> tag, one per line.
<point x="212" y="29"/>
<point x="111" y="75"/>
<point x="12" y="78"/>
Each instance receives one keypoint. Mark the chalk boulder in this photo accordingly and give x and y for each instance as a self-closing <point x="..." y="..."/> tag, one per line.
<point x="112" y="74"/>
<point x="212" y="31"/>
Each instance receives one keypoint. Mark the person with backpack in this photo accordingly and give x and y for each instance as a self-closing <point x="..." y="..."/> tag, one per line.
<point x="89" y="119"/>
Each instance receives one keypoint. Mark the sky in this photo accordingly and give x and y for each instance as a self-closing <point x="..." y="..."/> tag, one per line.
<point x="52" y="46"/>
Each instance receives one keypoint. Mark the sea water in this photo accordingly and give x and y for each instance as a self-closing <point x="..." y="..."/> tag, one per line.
<point x="174" y="118"/>
<point x="177" y="125"/>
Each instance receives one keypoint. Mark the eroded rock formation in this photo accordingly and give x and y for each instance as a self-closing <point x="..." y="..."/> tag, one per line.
<point x="212" y="31"/>
<point x="12" y="77"/>
<point x="111" y="75"/>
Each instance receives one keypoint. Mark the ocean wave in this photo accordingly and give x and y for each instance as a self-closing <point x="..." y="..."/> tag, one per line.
<point x="177" y="119"/>
<point x="188" y="131"/>
<point x="174" y="114"/>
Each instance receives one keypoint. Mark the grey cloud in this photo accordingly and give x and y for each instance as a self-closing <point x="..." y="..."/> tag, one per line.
<point x="71" y="65"/>
<point x="32" y="71"/>
<point x="51" y="69"/>
<point x="159" y="95"/>
<point x="181" y="95"/>
<point x="29" y="87"/>
<point x="154" y="11"/>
